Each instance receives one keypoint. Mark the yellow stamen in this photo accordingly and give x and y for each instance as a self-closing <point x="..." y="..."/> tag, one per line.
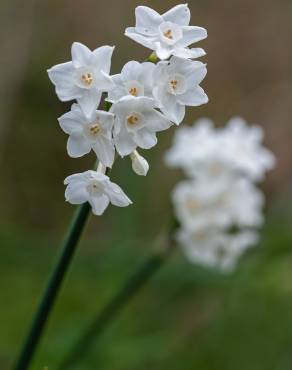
<point x="87" y="78"/>
<point x="168" y="34"/>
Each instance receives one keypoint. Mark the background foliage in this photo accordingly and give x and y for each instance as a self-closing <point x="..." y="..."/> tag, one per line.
<point x="187" y="317"/>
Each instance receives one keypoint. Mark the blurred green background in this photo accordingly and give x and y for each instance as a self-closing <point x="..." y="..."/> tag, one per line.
<point x="187" y="317"/>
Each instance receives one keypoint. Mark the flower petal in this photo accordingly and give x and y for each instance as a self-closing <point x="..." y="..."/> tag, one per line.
<point x="162" y="51"/>
<point x="102" y="58"/>
<point x="124" y="142"/>
<point x="105" y="151"/>
<point x="157" y="121"/>
<point x="81" y="55"/>
<point x="192" y="34"/>
<point x="147" y="20"/>
<point x="117" y="196"/>
<point x="145" y="139"/>
<point x="72" y="122"/>
<point x="148" y="42"/>
<point x="168" y="105"/>
<point x="77" y="146"/>
<point x="194" y="97"/>
<point x="99" y="204"/>
<point x="61" y="76"/>
<point x="76" y="193"/>
<point x="179" y="14"/>
<point x="89" y="101"/>
<point x="189" y="53"/>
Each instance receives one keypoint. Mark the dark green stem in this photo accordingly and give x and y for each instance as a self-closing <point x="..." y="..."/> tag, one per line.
<point x="53" y="287"/>
<point x="132" y="286"/>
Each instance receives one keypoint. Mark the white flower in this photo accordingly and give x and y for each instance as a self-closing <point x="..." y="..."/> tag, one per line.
<point x="135" y="79"/>
<point x="176" y="84"/>
<point x="96" y="189"/>
<point x="136" y="124"/>
<point x="202" y="151"/>
<point x="139" y="164"/>
<point x="89" y="132"/>
<point x="202" y="204"/>
<point x="167" y="34"/>
<point x="242" y="148"/>
<point x="214" y="248"/>
<point x="85" y="77"/>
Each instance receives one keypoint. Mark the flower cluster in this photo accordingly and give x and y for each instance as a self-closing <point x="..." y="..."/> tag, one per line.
<point x="219" y="206"/>
<point x="145" y="98"/>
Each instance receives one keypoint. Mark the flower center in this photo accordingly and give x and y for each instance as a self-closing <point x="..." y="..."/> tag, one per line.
<point x="87" y="78"/>
<point x="95" y="188"/>
<point x="93" y="130"/>
<point x="176" y="84"/>
<point x="135" y="88"/>
<point x="170" y="33"/>
<point x="133" y="119"/>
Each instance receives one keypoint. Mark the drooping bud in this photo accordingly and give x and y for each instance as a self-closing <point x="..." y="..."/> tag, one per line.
<point x="139" y="164"/>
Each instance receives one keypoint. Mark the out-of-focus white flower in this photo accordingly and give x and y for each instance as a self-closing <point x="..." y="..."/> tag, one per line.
<point x="135" y="79"/>
<point x="219" y="207"/>
<point x="176" y="84"/>
<point x="167" y="34"/>
<point x="89" y="132"/>
<point x="139" y="164"/>
<point x="203" y="204"/>
<point x="202" y="151"/>
<point x="95" y="188"/>
<point x="85" y="77"/>
<point x="136" y="124"/>
<point x="242" y="148"/>
<point x="215" y="248"/>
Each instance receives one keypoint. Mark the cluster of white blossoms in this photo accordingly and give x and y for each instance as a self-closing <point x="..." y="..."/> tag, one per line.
<point x="219" y="206"/>
<point x="145" y="98"/>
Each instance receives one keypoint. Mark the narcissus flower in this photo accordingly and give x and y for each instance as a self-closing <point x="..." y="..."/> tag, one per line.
<point x="85" y="77"/>
<point x="95" y="188"/>
<point x="89" y="132"/>
<point x="135" y="79"/>
<point x="177" y="85"/>
<point x="136" y="124"/>
<point x="167" y="34"/>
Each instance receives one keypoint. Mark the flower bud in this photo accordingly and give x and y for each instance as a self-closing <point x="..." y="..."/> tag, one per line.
<point x="139" y="164"/>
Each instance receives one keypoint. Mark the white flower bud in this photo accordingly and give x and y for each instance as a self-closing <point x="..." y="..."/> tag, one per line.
<point x="139" y="164"/>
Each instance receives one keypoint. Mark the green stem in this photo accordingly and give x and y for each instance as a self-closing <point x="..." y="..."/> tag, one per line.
<point x="53" y="287"/>
<point x="96" y="327"/>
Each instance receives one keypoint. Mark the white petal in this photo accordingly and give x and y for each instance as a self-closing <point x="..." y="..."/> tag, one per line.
<point x="189" y="53"/>
<point x="180" y="14"/>
<point x="197" y="75"/>
<point x="148" y="42"/>
<point x="99" y="204"/>
<point x="62" y="77"/>
<point x="147" y="75"/>
<point x="194" y="97"/>
<point x="162" y="51"/>
<point x="117" y="196"/>
<point x="131" y="71"/>
<point x="102" y="58"/>
<point x="106" y="120"/>
<point x="77" y="146"/>
<point x="72" y="122"/>
<point x="192" y="34"/>
<point x="157" y="121"/>
<point x="81" y="55"/>
<point x="105" y="151"/>
<point x="147" y="20"/>
<point x="76" y="193"/>
<point x="124" y="143"/>
<point x="145" y="139"/>
<point x="169" y="106"/>
<point x="89" y="101"/>
<point x="104" y="82"/>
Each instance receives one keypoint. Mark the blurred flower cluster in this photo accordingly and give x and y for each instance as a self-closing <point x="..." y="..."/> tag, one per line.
<point x="219" y="206"/>
<point x="145" y="98"/>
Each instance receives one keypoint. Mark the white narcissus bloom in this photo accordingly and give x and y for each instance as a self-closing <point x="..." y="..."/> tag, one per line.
<point x="135" y="79"/>
<point x="237" y="149"/>
<point x="215" y="248"/>
<point x="85" y="77"/>
<point x="136" y="124"/>
<point x="176" y="85"/>
<point x="167" y="34"/>
<point x="242" y="148"/>
<point x="139" y="164"/>
<point x="96" y="189"/>
<point x="89" y="132"/>
<point x="200" y="204"/>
